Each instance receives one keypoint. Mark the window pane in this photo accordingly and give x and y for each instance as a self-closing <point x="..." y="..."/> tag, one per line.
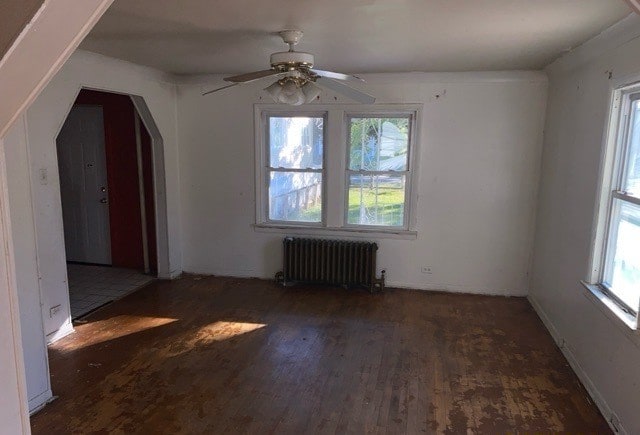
<point x="376" y="200"/>
<point x="378" y="144"/>
<point x="631" y="183"/>
<point x="295" y="142"/>
<point x="295" y="196"/>
<point x="623" y="261"/>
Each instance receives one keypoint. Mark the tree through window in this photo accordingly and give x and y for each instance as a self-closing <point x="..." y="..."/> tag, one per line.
<point x="377" y="171"/>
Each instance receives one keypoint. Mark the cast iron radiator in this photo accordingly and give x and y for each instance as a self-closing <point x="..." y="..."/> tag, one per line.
<point x="333" y="262"/>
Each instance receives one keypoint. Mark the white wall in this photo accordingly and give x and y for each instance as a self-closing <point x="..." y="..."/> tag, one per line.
<point x="604" y="353"/>
<point x="22" y="219"/>
<point x="45" y="118"/>
<point x="39" y="51"/>
<point x="479" y="161"/>
<point x="35" y="202"/>
<point x="14" y="417"/>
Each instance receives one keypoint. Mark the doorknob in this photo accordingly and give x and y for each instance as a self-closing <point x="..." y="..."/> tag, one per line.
<point x="103" y="200"/>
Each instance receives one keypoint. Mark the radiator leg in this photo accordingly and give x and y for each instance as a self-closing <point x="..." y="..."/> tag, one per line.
<point x="280" y="278"/>
<point x="379" y="282"/>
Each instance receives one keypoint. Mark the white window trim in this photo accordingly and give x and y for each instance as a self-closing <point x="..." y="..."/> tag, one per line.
<point x="613" y="150"/>
<point x="334" y="169"/>
<point x="264" y="168"/>
<point x="411" y="115"/>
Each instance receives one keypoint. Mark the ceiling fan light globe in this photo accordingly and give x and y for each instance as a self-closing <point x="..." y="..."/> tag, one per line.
<point x="311" y="91"/>
<point x="290" y="88"/>
<point x="274" y="91"/>
<point x="293" y="99"/>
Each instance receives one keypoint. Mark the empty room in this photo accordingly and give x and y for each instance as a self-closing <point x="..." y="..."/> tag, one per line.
<point x="319" y="217"/>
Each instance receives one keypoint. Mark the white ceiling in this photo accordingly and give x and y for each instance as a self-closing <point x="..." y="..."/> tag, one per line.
<point x="233" y="36"/>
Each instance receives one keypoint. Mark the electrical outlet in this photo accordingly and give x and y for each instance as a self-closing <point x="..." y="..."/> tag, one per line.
<point x="54" y="310"/>
<point x="427" y="270"/>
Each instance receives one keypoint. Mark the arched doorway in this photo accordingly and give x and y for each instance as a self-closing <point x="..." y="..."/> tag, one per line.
<point x="108" y="174"/>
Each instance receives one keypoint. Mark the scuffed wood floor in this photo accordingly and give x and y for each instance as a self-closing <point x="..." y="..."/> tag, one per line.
<point x="222" y="355"/>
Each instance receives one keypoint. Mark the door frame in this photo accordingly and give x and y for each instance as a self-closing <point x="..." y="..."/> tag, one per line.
<point x="159" y="186"/>
<point x="159" y="178"/>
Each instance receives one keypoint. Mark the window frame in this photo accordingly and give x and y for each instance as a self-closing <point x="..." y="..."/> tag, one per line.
<point x="612" y="172"/>
<point x="267" y="169"/>
<point x="410" y="115"/>
<point x="335" y="149"/>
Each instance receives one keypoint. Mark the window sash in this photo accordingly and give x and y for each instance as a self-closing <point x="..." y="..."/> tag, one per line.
<point x="398" y="115"/>
<point x="405" y="217"/>
<point x="267" y="135"/>
<point x="281" y="169"/>
<point x="624" y="196"/>
<point x="267" y="169"/>
<point x="410" y="116"/>
<point x="267" y="207"/>
<point x="625" y="146"/>
<point x="610" y="251"/>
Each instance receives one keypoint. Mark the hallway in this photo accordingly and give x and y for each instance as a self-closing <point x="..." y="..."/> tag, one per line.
<point x="91" y="287"/>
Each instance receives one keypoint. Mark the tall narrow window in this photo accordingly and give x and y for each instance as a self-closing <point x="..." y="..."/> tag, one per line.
<point x="295" y="168"/>
<point x="621" y="271"/>
<point x="378" y="170"/>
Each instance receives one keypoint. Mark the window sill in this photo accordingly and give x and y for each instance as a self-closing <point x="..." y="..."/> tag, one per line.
<point x="344" y="232"/>
<point x="612" y="310"/>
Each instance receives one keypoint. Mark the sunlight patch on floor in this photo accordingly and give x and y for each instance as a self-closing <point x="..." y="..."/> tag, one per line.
<point x="219" y="331"/>
<point x="113" y="328"/>
<point x="212" y="333"/>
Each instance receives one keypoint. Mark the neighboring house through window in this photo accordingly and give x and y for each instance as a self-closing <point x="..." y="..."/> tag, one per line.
<point x="295" y="168"/>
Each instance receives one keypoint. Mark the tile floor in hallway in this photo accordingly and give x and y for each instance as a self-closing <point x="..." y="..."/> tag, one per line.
<point x="93" y="286"/>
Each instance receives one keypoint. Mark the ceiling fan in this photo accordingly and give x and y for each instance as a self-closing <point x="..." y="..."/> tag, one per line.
<point x="298" y="80"/>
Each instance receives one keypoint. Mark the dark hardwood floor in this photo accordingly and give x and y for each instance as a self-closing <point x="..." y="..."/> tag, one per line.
<point x="222" y="355"/>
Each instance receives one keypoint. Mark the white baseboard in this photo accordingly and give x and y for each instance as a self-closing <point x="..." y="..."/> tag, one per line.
<point x="63" y="331"/>
<point x="593" y="391"/>
<point x="389" y="283"/>
<point x="474" y="290"/>
<point x="174" y="274"/>
<point x="227" y="273"/>
<point x="38" y="402"/>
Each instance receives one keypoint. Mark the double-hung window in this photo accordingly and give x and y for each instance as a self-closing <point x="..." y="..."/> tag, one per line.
<point x="378" y="156"/>
<point x="295" y="168"/>
<point x="336" y="167"/>
<point x="619" y="257"/>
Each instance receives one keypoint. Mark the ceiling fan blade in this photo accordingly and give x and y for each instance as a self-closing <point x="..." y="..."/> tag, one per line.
<point x="335" y="75"/>
<point x="219" y="89"/>
<point x="249" y="77"/>
<point x="345" y="90"/>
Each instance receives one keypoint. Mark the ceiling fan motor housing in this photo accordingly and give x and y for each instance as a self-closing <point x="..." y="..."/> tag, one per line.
<point x="290" y="60"/>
